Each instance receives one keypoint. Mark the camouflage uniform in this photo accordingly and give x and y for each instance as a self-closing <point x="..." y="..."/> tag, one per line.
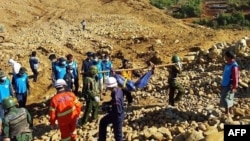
<point x="173" y="83"/>
<point x="90" y="91"/>
<point x="17" y="123"/>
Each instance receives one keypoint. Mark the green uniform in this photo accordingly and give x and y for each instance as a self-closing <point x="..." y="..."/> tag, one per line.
<point x="16" y="125"/>
<point x="90" y="90"/>
<point x="174" y="85"/>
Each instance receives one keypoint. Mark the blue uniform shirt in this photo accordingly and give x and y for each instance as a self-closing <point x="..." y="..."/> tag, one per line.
<point x="60" y="72"/>
<point x="74" y="67"/>
<point x="5" y="90"/>
<point x="107" y="66"/>
<point x="117" y="101"/>
<point x="33" y="63"/>
<point x="98" y="64"/>
<point x="86" y="65"/>
<point x="20" y="83"/>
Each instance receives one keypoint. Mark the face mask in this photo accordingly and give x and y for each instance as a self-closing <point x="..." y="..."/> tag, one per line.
<point x="96" y="59"/>
<point x="107" y="59"/>
<point x="71" y="71"/>
<point x="64" y="62"/>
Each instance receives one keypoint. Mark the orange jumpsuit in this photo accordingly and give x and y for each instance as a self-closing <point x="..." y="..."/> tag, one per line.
<point x="65" y="108"/>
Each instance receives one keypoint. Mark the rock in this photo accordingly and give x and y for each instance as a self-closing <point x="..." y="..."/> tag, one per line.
<point x="179" y="137"/>
<point x="215" y="136"/>
<point x="210" y="130"/>
<point x="180" y="130"/>
<point x="220" y="126"/>
<point x="202" y="127"/>
<point x="158" y="136"/>
<point x="194" y="136"/>
<point x="165" y="131"/>
<point x="239" y="112"/>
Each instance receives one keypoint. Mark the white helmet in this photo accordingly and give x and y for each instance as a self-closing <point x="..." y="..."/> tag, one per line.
<point x="111" y="82"/>
<point x="60" y="83"/>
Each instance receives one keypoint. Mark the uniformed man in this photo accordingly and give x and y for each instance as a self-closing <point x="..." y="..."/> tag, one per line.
<point x="115" y="114"/>
<point x="173" y="83"/>
<point x="17" y="122"/>
<point x="91" y="94"/>
<point x="65" y="108"/>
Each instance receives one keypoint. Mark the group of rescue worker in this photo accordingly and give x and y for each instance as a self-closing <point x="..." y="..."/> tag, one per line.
<point x="15" y="120"/>
<point x="98" y="77"/>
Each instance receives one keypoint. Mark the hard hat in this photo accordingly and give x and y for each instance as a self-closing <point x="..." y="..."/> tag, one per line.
<point x="60" y="83"/>
<point x="93" y="70"/>
<point x="111" y="82"/>
<point x="176" y="59"/>
<point x="8" y="103"/>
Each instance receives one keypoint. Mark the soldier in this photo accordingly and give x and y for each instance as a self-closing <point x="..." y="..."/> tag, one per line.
<point x="90" y="92"/>
<point x="173" y="84"/>
<point x="115" y="114"/>
<point x="17" y="122"/>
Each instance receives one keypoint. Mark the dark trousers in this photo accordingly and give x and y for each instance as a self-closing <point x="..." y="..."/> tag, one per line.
<point x="116" y="120"/>
<point x="128" y="95"/>
<point x="173" y="87"/>
<point x="35" y="74"/>
<point x="22" y="98"/>
<point x="76" y="83"/>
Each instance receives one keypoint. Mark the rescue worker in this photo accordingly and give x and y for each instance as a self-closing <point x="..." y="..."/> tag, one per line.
<point x="74" y="66"/>
<point x="230" y="80"/>
<point x="60" y="68"/>
<point x="17" y="122"/>
<point x="173" y="83"/>
<point x="91" y="94"/>
<point x="15" y="66"/>
<point x="128" y="75"/>
<point x="20" y="83"/>
<point x="87" y="63"/>
<point x="34" y="62"/>
<point x="98" y="64"/>
<point x="107" y="66"/>
<point x="54" y="62"/>
<point x="65" y="108"/>
<point x="115" y="114"/>
<point x="5" y="90"/>
<point x="69" y="78"/>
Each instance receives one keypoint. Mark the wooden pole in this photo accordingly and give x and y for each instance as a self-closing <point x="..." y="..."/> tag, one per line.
<point x="156" y="66"/>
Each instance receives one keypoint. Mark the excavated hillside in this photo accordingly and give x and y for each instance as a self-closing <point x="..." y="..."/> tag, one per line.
<point x="132" y="29"/>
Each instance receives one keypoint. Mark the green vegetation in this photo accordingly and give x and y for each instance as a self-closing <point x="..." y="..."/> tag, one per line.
<point x="161" y="4"/>
<point x="226" y="20"/>
<point x="187" y="8"/>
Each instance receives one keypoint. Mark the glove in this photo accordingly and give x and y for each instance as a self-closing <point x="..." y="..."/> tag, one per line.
<point x="97" y="99"/>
